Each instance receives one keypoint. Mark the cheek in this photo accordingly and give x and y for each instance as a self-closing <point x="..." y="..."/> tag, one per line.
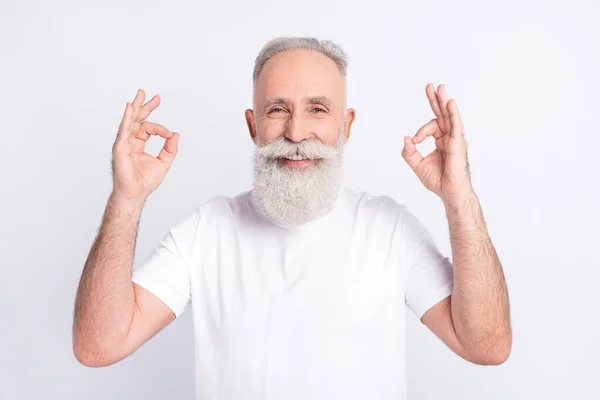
<point x="270" y="129"/>
<point x="327" y="131"/>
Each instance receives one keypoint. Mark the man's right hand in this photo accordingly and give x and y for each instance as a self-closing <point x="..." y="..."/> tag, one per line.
<point x="136" y="173"/>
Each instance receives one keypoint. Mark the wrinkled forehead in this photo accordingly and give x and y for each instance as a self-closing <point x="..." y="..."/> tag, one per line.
<point x="297" y="74"/>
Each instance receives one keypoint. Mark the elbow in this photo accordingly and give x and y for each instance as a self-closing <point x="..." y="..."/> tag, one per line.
<point x="90" y="357"/>
<point x="95" y="352"/>
<point x="494" y="359"/>
<point x="93" y="360"/>
<point x="495" y="355"/>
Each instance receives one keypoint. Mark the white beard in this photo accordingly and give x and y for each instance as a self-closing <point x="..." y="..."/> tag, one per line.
<point x="292" y="196"/>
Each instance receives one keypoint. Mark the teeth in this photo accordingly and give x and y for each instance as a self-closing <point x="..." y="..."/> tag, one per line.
<point x="295" y="158"/>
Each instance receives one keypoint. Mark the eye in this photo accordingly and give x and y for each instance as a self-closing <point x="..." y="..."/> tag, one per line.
<point x="275" y="109"/>
<point x="318" y="108"/>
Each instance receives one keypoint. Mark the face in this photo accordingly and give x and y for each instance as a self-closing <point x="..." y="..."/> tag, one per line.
<point x="300" y="125"/>
<point x="299" y="94"/>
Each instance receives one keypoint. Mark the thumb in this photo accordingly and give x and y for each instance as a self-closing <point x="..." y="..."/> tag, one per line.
<point x="169" y="151"/>
<point x="410" y="153"/>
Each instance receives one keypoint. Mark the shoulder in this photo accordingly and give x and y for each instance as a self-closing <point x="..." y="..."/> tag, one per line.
<point x="385" y="210"/>
<point x="210" y="213"/>
<point x="367" y="203"/>
<point x="214" y="207"/>
<point x="383" y="213"/>
<point x="222" y="206"/>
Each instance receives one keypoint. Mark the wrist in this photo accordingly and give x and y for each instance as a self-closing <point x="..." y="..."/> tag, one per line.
<point x="461" y="204"/>
<point x="123" y="203"/>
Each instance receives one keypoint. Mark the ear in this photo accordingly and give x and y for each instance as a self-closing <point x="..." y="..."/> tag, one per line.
<point x="350" y="115"/>
<point x="249" y="114"/>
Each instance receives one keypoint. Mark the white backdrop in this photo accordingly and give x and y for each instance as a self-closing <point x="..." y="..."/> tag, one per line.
<point x="523" y="73"/>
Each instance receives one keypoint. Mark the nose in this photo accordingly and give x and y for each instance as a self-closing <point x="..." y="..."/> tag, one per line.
<point x="297" y="128"/>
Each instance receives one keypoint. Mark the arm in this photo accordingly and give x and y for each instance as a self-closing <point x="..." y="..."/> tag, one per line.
<point x="474" y="321"/>
<point x="113" y="316"/>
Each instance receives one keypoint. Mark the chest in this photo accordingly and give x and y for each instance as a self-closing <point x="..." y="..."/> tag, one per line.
<point x="315" y="315"/>
<point x="322" y="279"/>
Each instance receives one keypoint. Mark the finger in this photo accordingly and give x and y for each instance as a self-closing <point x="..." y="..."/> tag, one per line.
<point x="429" y="129"/>
<point x="169" y="151"/>
<point x="456" y="128"/>
<point x="148" y="129"/>
<point x="443" y="98"/>
<point x="410" y="153"/>
<point x="149" y="107"/>
<point x="137" y="104"/>
<point x="125" y="127"/>
<point x="434" y="102"/>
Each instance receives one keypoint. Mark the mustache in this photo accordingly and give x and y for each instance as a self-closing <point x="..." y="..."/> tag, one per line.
<point x="309" y="148"/>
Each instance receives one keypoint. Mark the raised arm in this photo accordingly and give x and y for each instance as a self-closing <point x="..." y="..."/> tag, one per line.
<point x="475" y="320"/>
<point x="114" y="316"/>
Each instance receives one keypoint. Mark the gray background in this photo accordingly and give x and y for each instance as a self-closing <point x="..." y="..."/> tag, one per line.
<point x="524" y="75"/>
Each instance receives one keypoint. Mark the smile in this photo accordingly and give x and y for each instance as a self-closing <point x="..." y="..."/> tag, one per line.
<point x="295" y="158"/>
<point x="297" y="162"/>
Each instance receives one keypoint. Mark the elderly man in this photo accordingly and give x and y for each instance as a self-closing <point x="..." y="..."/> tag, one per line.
<point x="298" y="285"/>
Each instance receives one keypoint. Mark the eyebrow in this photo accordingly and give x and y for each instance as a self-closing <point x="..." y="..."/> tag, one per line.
<point x="326" y="101"/>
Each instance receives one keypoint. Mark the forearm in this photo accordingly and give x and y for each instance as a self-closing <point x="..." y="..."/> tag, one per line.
<point x="479" y="303"/>
<point x="105" y="299"/>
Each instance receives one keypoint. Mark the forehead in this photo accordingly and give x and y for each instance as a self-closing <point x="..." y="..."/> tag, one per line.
<point x="296" y="74"/>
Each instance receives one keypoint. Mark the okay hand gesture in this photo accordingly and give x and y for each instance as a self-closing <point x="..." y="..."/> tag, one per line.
<point x="136" y="173"/>
<point x="445" y="171"/>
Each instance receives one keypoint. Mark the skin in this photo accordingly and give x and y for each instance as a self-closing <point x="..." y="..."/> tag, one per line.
<point x="475" y="320"/>
<point x="113" y="317"/>
<point x="299" y="94"/>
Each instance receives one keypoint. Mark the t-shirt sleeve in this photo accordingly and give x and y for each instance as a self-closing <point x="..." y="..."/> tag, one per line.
<point x="165" y="272"/>
<point x="428" y="273"/>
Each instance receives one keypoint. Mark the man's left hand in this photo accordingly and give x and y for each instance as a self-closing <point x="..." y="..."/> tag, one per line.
<point x="445" y="171"/>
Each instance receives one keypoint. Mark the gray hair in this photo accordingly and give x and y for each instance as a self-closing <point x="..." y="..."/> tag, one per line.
<point x="282" y="44"/>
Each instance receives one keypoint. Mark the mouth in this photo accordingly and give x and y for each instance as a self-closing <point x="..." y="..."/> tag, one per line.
<point x="296" y="161"/>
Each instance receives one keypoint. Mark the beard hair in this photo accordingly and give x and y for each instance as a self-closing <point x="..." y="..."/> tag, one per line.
<point x="293" y="196"/>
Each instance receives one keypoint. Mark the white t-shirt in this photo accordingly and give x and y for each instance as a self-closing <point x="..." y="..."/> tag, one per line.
<point x="312" y="312"/>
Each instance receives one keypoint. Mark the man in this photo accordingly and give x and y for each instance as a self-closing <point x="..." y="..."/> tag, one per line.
<point x="299" y="285"/>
